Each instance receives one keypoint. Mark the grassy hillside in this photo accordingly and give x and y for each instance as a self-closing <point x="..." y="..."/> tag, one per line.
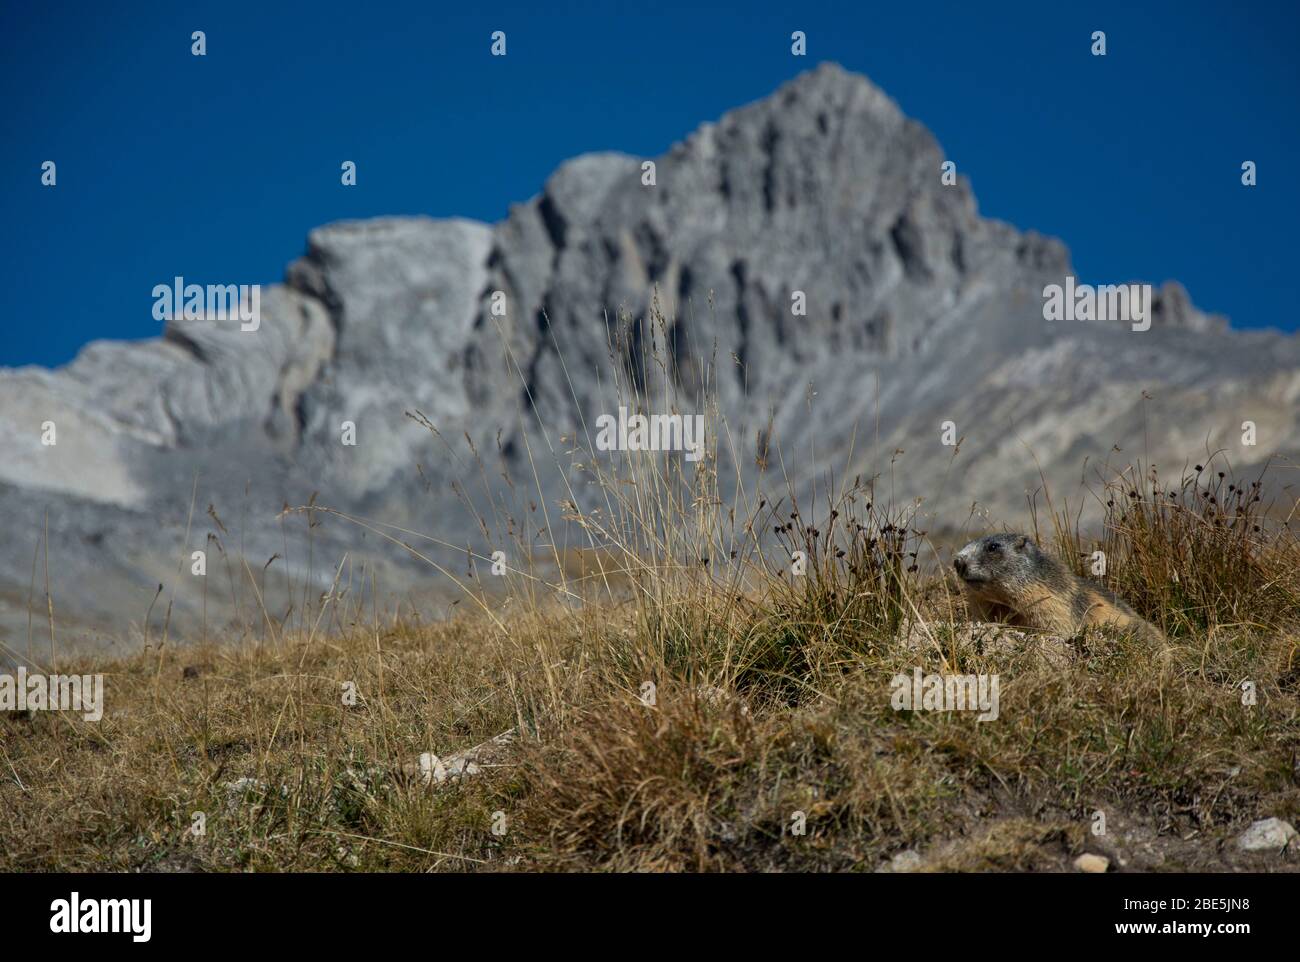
<point x="705" y="680"/>
<point x="771" y="697"/>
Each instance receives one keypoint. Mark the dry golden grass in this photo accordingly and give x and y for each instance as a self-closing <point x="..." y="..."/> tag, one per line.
<point x="699" y="780"/>
<point x="763" y="707"/>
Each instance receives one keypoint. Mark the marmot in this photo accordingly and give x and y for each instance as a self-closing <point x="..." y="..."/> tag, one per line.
<point x="1009" y="578"/>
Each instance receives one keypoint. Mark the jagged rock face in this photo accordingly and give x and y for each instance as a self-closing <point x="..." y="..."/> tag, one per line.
<point x="918" y="312"/>
<point x="824" y="188"/>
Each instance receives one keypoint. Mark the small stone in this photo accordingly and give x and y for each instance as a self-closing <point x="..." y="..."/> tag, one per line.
<point x="1266" y="835"/>
<point x="904" y="861"/>
<point x="241" y="789"/>
<point x="1092" y="864"/>
<point x="429" y="769"/>
<point x="346" y="858"/>
<point x="719" y="698"/>
<point x="433" y="770"/>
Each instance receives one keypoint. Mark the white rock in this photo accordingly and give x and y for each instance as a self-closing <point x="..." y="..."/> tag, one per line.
<point x="904" y="861"/>
<point x="719" y="698"/>
<point x="239" y="790"/>
<point x="1266" y="835"/>
<point x="1092" y="864"/>
<point x="433" y="770"/>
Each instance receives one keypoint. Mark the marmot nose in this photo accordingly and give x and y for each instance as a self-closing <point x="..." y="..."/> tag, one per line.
<point x="960" y="565"/>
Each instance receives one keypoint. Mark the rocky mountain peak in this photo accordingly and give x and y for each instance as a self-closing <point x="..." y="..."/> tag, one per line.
<point x="806" y="241"/>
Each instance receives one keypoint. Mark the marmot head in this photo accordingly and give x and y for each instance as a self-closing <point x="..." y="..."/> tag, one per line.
<point x="998" y="559"/>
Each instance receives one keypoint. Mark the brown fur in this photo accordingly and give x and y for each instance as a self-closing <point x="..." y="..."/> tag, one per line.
<point x="1017" y="583"/>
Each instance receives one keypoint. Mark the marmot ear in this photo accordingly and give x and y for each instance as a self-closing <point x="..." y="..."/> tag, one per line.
<point x="1024" y="541"/>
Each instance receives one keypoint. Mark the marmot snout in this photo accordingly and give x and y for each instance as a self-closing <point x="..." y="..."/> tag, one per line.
<point x="1008" y="578"/>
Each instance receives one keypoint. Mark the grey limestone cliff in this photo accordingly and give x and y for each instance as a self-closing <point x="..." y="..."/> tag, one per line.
<point x="919" y="311"/>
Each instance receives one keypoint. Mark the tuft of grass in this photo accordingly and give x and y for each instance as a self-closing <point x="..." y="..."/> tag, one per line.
<point x="1201" y="553"/>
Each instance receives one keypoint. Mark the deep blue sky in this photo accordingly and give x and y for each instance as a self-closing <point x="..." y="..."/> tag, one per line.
<point x="215" y="168"/>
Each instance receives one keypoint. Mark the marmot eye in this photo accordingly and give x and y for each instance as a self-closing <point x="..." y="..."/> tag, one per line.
<point x="992" y="546"/>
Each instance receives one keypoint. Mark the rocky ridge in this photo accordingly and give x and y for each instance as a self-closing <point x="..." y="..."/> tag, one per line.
<point x="919" y="311"/>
